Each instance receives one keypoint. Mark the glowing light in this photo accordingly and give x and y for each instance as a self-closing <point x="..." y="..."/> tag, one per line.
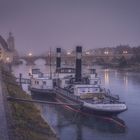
<point x="125" y="52"/>
<point x="7" y="59"/>
<point x="68" y="53"/>
<point x="87" y="53"/>
<point x="30" y="54"/>
<point x="106" y="52"/>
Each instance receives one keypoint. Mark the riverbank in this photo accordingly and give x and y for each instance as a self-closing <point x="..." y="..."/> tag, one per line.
<point x="24" y="119"/>
<point x="3" y="121"/>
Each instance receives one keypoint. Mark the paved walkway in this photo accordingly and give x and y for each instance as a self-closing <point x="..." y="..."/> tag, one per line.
<point x="3" y="122"/>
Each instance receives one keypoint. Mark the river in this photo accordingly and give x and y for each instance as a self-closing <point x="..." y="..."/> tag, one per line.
<point x="72" y="126"/>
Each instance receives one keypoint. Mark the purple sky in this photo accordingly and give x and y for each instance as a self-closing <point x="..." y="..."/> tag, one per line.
<point x="40" y="24"/>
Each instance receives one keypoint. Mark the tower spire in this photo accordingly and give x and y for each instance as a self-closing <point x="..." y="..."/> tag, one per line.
<point x="11" y="42"/>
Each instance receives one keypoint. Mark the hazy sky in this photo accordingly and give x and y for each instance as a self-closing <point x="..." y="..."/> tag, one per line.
<point x="38" y="25"/>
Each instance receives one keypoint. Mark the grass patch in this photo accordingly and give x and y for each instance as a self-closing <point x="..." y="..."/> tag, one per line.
<point x="26" y="121"/>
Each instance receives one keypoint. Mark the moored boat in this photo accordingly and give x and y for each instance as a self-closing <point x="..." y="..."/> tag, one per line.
<point x="41" y="84"/>
<point x="82" y="92"/>
<point x="87" y="91"/>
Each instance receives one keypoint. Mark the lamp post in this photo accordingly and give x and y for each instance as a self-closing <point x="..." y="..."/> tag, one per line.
<point x="30" y="59"/>
<point x="8" y="60"/>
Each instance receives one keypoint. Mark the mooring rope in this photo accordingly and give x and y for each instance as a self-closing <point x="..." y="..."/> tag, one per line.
<point x="39" y="101"/>
<point x="87" y="114"/>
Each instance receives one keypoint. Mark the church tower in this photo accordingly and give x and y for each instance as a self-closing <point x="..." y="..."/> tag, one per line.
<point x="11" y="42"/>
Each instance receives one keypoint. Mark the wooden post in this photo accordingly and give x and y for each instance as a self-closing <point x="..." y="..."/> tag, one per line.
<point x="20" y="78"/>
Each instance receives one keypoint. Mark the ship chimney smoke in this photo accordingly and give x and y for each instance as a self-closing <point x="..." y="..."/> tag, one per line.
<point x="78" y="74"/>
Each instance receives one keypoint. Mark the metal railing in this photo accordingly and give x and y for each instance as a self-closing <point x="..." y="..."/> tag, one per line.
<point x="23" y="80"/>
<point x="67" y="93"/>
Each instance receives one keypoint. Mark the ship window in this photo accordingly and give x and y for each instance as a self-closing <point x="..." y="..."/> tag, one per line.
<point x="81" y="89"/>
<point x="67" y="81"/>
<point x="94" y="89"/>
<point x="95" y="82"/>
<point x="44" y="82"/>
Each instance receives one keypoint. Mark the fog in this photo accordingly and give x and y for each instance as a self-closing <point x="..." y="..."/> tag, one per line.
<point x="38" y="25"/>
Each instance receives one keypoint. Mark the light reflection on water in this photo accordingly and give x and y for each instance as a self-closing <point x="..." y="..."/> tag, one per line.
<point x="72" y="126"/>
<point x="126" y="81"/>
<point x="106" y="77"/>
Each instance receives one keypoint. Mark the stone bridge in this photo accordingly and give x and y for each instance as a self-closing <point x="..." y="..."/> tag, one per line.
<point x="70" y="59"/>
<point x="30" y="60"/>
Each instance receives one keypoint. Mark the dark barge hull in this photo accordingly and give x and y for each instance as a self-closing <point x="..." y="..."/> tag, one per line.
<point x="82" y="109"/>
<point x="42" y="92"/>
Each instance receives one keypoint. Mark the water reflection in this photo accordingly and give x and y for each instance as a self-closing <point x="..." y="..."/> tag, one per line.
<point x="106" y="75"/>
<point x="77" y="124"/>
<point x="67" y="122"/>
<point x="71" y="126"/>
<point x="125" y="81"/>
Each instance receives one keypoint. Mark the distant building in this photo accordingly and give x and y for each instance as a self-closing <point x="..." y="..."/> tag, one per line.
<point x="11" y="46"/>
<point x="6" y="55"/>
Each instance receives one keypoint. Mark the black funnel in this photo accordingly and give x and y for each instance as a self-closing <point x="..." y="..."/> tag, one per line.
<point x="58" y="58"/>
<point x="78" y="74"/>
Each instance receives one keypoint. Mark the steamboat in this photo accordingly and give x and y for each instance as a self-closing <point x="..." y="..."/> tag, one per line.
<point x="71" y="86"/>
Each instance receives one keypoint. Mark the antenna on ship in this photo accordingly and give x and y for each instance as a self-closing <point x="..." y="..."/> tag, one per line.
<point x="50" y="64"/>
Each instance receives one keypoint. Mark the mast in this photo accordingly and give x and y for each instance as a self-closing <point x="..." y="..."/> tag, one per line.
<point x="50" y="65"/>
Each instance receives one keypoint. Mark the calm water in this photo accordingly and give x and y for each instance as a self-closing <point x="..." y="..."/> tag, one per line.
<point x="72" y="126"/>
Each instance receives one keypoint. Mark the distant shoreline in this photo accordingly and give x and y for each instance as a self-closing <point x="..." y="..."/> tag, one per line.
<point x="132" y="68"/>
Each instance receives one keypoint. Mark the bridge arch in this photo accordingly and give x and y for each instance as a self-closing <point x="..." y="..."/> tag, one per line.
<point x="23" y="61"/>
<point x="40" y="61"/>
<point x="30" y="60"/>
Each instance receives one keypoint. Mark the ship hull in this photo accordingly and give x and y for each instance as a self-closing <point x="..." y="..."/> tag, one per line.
<point x="101" y="112"/>
<point x="86" y="110"/>
<point x="42" y="92"/>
